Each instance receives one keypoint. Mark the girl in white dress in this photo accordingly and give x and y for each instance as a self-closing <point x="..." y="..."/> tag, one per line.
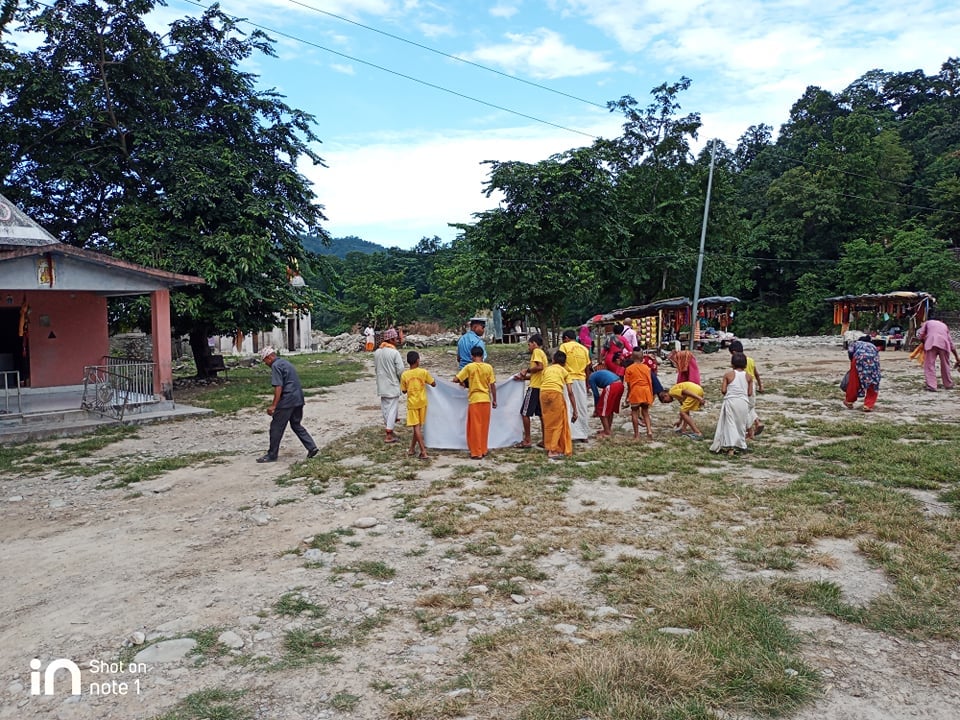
<point x="736" y="415"/>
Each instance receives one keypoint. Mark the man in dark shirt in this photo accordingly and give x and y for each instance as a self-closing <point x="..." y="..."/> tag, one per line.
<point x="287" y="405"/>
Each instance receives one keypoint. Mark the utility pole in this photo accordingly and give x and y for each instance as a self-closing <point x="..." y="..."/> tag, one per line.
<point x="694" y="320"/>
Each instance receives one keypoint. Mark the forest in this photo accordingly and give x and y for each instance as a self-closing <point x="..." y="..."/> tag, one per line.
<point x="859" y="192"/>
<point x="159" y="149"/>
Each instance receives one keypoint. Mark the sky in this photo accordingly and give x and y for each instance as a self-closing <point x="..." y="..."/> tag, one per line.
<point x="405" y="127"/>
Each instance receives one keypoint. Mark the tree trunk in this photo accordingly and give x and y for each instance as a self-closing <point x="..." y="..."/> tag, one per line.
<point x="201" y="352"/>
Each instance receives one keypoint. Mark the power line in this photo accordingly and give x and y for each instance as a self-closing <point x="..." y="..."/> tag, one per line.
<point x="447" y="55"/>
<point x="426" y="83"/>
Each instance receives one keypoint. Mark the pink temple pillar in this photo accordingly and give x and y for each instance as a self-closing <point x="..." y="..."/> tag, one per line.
<point x="162" y="346"/>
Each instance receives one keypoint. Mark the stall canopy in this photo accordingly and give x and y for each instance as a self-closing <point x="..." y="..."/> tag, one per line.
<point x="906" y="308"/>
<point x="663" y="319"/>
<point x="639" y="311"/>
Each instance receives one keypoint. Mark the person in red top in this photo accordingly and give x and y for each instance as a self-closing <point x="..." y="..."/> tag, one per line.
<point x="614" y="354"/>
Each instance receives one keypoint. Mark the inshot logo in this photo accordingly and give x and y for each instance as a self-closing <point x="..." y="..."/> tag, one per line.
<point x="49" y="675"/>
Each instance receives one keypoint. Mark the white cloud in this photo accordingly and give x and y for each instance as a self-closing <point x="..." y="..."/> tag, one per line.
<point x="750" y="60"/>
<point x="415" y="185"/>
<point x="276" y="8"/>
<point x="342" y="68"/>
<point x="504" y="10"/>
<point x="542" y="54"/>
<point x="432" y="30"/>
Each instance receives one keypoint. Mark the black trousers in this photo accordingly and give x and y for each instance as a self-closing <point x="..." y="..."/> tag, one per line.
<point x="282" y="416"/>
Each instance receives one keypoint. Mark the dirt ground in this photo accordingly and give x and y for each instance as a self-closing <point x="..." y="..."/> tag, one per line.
<point x="87" y="572"/>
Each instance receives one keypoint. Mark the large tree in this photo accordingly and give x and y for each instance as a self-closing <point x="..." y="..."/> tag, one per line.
<point x="659" y="198"/>
<point x="158" y="149"/>
<point x="540" y="250"/>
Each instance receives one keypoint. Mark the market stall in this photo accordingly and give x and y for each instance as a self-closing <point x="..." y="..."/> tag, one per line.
<point x="656" y="323"/>
<point x="665" y="324"/>
<point x="714" y="318"/>
<point x="890" y="318"/>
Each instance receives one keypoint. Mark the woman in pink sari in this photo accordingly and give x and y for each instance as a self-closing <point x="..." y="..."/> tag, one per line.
<point x="686" y="365"/>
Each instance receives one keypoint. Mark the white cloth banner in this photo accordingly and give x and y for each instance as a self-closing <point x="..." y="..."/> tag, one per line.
<point x="446" y="426"/>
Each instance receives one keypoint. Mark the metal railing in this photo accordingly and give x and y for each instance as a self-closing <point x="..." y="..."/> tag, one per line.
<point x="117" y="387"/>
<point x="11" y="389"/>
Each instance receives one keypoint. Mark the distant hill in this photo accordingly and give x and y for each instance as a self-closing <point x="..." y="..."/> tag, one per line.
<point x="341" y="246"/>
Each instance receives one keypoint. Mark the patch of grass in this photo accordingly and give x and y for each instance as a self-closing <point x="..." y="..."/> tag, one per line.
<point x="917" y="554"/>
<point x="484" y="548"/>
<point x="295" y="604"/>
<point x="523" y="568"/>
<point x="250" y="386"/>
<point x="458" y="600"/>
<point x="432" y="622"/>
<point x="303" y="647"/>
<point x="18" y="456"/>
<point x="209" y="705"/>
<point x="740" y="656"/>
<point x="328" y="541"/>
<point x="365" y="627"/>
<point x="373" y="568"/>
<point x="822" y="595"/>
<point x="381" y="686"/>
<point x="589" y="553"/>
<point x="441" y="529"/>
<point x="951" y="498"/>
<point x="344" y="701"/>
<point x="36" y="458"/>
<point x="562" y="609"/>
<point x="354" y="489"/>
<point x="208" y="645"/>
<point x="773" y="558"/>
<point x="881" y="456"/>
<point x="133" y="472"/>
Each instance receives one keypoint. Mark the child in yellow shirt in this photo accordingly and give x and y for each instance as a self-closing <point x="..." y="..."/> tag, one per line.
<point x="477" y="376"/>
<point x="690" y="397"/>
<point x="414" y="383"/>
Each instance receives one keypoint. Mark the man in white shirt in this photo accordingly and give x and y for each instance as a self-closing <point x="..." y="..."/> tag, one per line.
<point x="389" y="366"/>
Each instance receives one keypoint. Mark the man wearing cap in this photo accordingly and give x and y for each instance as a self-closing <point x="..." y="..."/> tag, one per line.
<point x="389" y="367"/>
<point x="471" y="339"/>
<point x="287" y="405"/>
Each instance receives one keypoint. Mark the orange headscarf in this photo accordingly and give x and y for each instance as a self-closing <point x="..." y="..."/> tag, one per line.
<point x="681" y="359"/>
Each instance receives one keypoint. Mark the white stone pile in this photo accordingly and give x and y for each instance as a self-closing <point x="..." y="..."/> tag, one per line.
<point x="438" y="340"/>
<point x="347" y="343"/>
<point x="342" y="343"/>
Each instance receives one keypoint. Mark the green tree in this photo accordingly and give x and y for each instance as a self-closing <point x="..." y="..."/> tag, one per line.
<point x="537" y="250"/>
<point x="658" y="199"/>
<point x="910" y="258"/>
<point x="161" y="151"/>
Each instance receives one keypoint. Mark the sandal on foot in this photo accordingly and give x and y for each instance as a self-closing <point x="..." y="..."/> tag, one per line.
<point x="522" y="446"/>
<point x="758" y="430"/>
